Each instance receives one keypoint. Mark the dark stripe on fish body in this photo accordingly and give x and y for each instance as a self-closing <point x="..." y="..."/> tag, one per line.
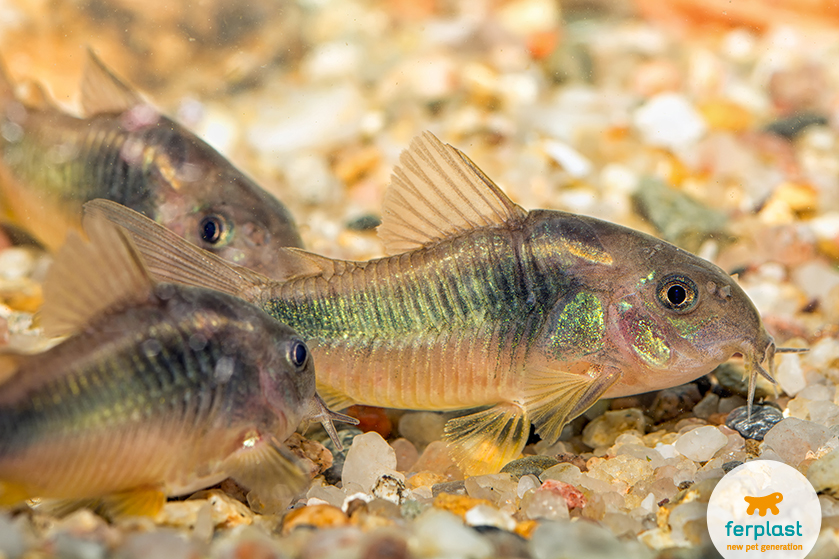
<point x="124" y="387"/>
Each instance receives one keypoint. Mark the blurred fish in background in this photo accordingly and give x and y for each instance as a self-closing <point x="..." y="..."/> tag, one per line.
<point x="126" y="151"/>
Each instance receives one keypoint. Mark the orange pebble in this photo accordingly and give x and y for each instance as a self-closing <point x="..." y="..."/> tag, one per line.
<point x="457" y="504"/>
<point x="320" y="516"/>
<point x="541" y="44"/>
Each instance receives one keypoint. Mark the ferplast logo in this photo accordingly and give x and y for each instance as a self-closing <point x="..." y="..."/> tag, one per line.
<point x="764" y="507"/>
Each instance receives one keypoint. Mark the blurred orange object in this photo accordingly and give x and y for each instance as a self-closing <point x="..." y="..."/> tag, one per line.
<point x="371" y="419"/>
<point x="757" y="14"/>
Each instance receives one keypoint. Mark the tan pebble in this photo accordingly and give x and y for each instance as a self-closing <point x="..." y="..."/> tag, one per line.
<point x="656" y="76"/>
<point x="320" y="516"/>
<point x="406" y="454"/>
<point x="313" y="454"/>
<point x="226" y="511"/>
<point x="355" y="163"/>
<point x="800" y="198"/>
<point x="181" y="514"/>
<point x="457" y="504"/>
<point x="425" y="479"/>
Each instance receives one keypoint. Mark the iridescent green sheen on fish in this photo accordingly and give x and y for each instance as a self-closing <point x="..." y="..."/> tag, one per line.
<point x="481" y="303"/>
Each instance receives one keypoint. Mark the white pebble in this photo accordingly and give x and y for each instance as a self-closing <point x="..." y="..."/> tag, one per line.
<point x="527" y="483"/>
<point x="16" y="263"/>
<point x="789" y="374"/>
<point x="309" y="175"/>
<point x="367" y="459"/>
<point x="485" y="515"/>
<point x="572" y="161"/>
<point x="701" y="444"/>
<point x="670" y="121"/>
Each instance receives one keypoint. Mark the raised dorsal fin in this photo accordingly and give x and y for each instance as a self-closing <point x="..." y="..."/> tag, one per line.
<point x="437" y="192"/>
<point x="102" y="91"/>
<point x="88" y="278"/>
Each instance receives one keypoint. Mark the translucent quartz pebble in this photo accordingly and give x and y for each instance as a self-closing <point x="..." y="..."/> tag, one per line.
<point x="789" y="373"/>
<point x="406" y="454"/>
<point x="701" y="444"/>
<point x="604" y="430"/>
<point x="499" y="489"/>
<point x="688" y="523"/>
<point x="485" y="515"/>
<point x="328" y="494"/>
<point x="555" y="540"/>
<point x="544" y="504"/>
<point x="527" y="483"/>
<point x="368" y="458"/>
<point x="442" y="534"/>
<point x="793" y="438"/>
<point x="763" y="419"/>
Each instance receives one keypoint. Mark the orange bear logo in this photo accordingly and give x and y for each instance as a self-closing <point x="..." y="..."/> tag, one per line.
<point x="762" y="504"/>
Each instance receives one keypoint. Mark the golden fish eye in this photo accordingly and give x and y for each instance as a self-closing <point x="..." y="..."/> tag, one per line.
<point x="213" y="228"/>
<point x="677" y="293"/>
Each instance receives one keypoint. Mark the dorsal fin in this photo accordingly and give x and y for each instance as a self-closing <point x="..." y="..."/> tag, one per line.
<point x="437" y="192"/>
<point x="171" y="258"/>
<point x="87" y="278"/>
<point x="102" y="91"/>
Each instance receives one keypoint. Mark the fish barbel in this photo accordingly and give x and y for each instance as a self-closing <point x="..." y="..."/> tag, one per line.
<point x="126" y="151"/>
<point x="536" y="314"/>
<point x="159" y="390"/>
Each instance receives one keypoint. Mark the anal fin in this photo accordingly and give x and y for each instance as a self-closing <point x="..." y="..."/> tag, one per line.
<point x="554" y="397"/>
<point x="264" y="464"/>
<point x="482" y="442"/>
<point x="136" y="502"/>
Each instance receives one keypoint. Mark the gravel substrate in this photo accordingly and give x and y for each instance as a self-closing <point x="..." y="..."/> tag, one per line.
<point x="720" y="135"/>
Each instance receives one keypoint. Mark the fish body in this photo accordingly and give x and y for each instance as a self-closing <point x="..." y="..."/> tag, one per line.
<point x="126" y="151"/>
<point x="166" y="390"/>
<point x="537" y="314"/>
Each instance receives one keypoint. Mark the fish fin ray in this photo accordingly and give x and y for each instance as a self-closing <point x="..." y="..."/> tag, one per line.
<point x="483" y="442"/>
<point x="103" y="92"/>
<point x="88" y="278"/>
<point x="171" y="258"/>
<point x="319" y="411"/>
<point x="436" y="192"/>
<point x="556" y="397"/>
<point x="267" y="464"/>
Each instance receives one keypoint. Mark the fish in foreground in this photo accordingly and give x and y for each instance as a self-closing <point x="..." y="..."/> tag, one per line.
<point x="125" y="150"/>
<point x="535" y="314"/>
<point x="160" y="389"/>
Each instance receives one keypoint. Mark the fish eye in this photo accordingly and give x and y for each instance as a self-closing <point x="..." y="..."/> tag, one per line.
<point x="298" y="354"/>
<point x="212" y="228"/>
<point x="677" y="293"/>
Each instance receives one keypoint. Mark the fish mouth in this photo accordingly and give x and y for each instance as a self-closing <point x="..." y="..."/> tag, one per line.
<point x="319" y="412"/>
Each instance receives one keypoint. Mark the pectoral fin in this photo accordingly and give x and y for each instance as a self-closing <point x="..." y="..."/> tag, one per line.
<point x="555" y="397"/>
<point x="482" y="442"/>
<point x="264" y="463"/>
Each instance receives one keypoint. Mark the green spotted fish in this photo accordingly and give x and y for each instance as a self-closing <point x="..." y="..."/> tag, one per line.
<point x="159" y="389"/>
<point x="532" y="316"/>
<point x="125" y="150"/>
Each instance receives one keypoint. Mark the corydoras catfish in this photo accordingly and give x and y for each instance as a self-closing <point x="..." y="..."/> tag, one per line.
<point x="535" y="314"/>
<point x="159" y="390"/>
<point x="126" y="151"/>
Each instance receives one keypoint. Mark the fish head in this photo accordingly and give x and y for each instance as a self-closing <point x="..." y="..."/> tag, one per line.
<point x="678" y="316"/>
<point x="215" y="206"/>
<point x="287" y="378"/>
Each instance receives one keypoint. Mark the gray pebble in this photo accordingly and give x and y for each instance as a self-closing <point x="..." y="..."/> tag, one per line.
<point x="529" y="465"/>
<point x="763" y="419"/>
<point x="728" y="466"/>
<point x="450" y="487"/>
